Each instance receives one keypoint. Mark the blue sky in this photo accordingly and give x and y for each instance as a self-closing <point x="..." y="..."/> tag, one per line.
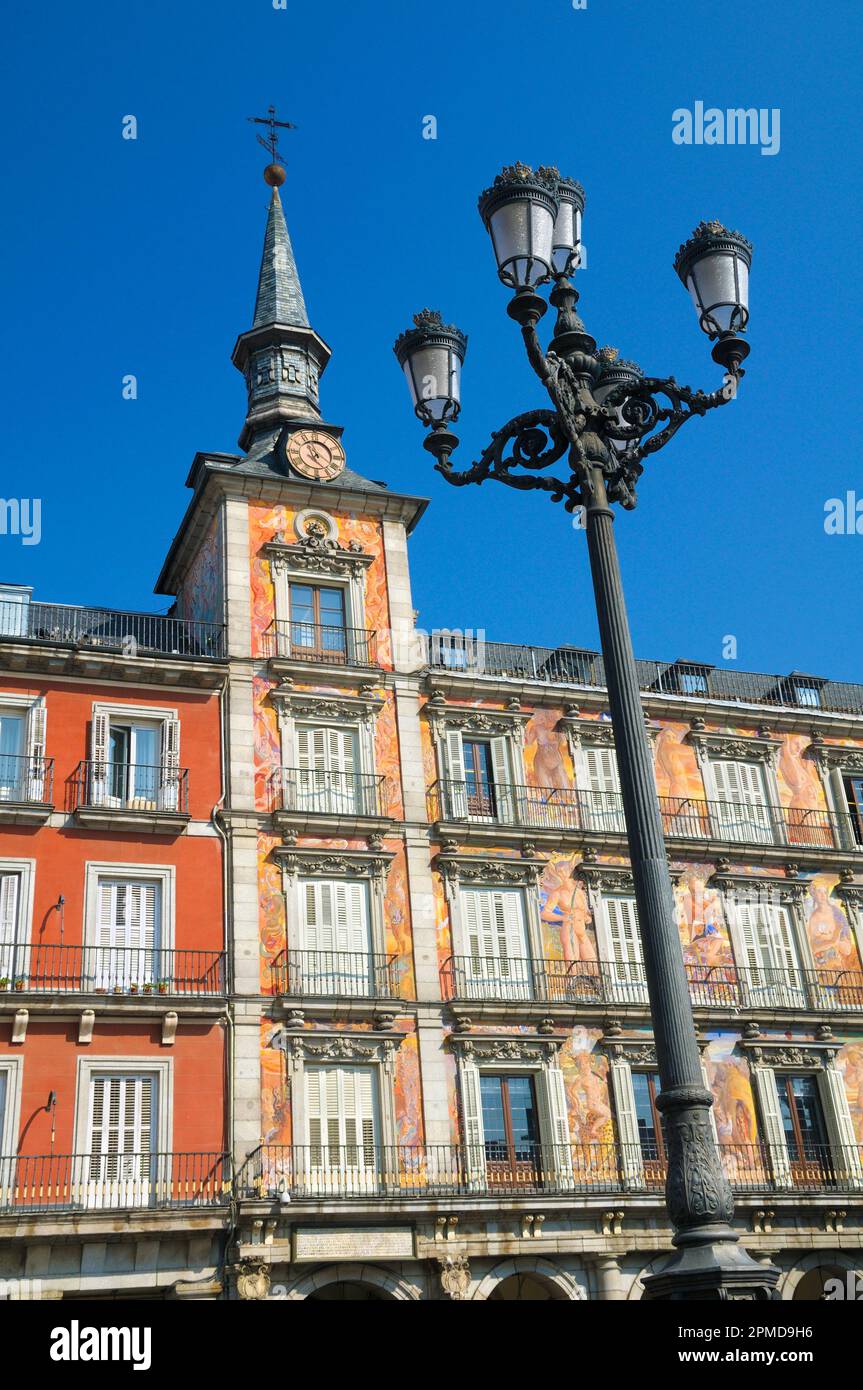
<point x="140" y="257"/>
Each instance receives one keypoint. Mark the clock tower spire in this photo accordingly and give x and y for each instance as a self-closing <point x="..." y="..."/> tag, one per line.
<point x="280" y="356"/>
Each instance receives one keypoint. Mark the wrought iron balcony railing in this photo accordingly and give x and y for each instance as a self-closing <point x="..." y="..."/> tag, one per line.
<point x="108" y="1182"/>
<point x="26" y="779"/>
<point x="108" y="786"/>
<point x="495" y="979"/>
<point x="568" y="666"/>
<point x="128" y="970"/>
<point x="107" y="629"/>
<point x="493" y="1170"/>
<point x="684" y="818"/>
<point x="328" y="793"/>
<point x="320" y="643"/>
<point x="354" y="974"/>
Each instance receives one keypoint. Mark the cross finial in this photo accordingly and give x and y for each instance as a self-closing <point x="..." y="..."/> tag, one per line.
<point x="270" y="141"/>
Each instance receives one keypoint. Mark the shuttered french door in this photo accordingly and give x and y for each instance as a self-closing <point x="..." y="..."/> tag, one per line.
<point x="10" y="889"/>
<point x="327" y="777"/>
<point x="624" y="968"/>
<point x="122" y="1141"/>
<point x="498" y="965"/>
<point x="336" y="948"/>
<point x="341" y="1116"/>
<point x="478" y="779"/>
<point x="767" y="951"/>
<point x="604" y="803"/>
<point x="127" y="932"/>
<point x="741" y="811"/>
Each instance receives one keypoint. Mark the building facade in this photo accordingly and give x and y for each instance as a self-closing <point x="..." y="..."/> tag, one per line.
<point x="441" y="1079"/>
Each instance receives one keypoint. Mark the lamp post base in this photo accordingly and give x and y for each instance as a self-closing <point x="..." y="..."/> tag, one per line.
<point x="718" y="1272"/>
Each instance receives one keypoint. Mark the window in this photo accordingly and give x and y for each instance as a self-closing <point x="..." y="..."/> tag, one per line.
<point x="327" y="777"/>
<point x="767" y="957"/>
<point x="623" y="961"/>
<point x="342" y="1122"/>
<point x="122" y="1138"/>
<point x="478" y="784"/>
<point x="511" y="1131"/>
<point x="600" y="790"/>
<point x="128" y="929"/>
<point x="318" y="621"/>
<point x="692" y="682"/>
<point x="22" y="749"/>
<point x="650" y="1122"/>
<point x="14" y="610"/>
<point x="497" y="966"/>
<point x="10" y="896"/>
<point x="853" y="787"/>
<point x="135" y="757"/>
<point x="10" y="1100"/>
<point x="335" y="941"/>
<point x="741" y="811"/>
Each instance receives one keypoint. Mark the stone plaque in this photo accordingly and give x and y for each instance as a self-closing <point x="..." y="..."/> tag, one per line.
<point x="352" y="1243"/>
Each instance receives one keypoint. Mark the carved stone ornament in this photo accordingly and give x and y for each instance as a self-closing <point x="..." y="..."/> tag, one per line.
<point x="295" y="859"/>
<point x="761" y="748"/>
<point x="252" y="1279"/>
<point x="454" y="1275"/>
<point x="476" y="721"/>
<point x="634" y="1051"/>
<point x="343" y="1047"/>
<point x="471" y="869"/>
<point x="774" y="892"/>
<point x="769" y="1054"/>
<point x="317" y="553"/>
<point x="606" y="878"/>
<point x="307" y="704"/>
<point x="597" y="733"/>
<point x="829" y="756"/>
<point x="515" y="1047"/>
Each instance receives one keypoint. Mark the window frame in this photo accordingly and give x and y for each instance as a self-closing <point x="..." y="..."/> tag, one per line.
<point x="164" y="874"/>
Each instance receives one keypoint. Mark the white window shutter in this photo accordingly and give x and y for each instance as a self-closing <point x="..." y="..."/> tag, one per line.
<point x="456" y="785"/>
<point x="474" y="1140"/>
<point x="502" y="777"/>
<point x="99" y="735"/>
<point x="624" y="955"/>
<point x="846" y="1152"/>
<point x="551" y="1082"/>
<point x="773" y="1128"/>
<point x="603" y="789"/>
<point x="36" y="731"/>
<point x="9" y="895"/>
<point x="627" y="1122"/>
<point x="170" y="773"/>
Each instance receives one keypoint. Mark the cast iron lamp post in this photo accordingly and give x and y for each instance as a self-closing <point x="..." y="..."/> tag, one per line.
<point x="606" y="418"/>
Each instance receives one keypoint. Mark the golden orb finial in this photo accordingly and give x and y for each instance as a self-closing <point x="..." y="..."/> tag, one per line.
<point x="274" y="175"/>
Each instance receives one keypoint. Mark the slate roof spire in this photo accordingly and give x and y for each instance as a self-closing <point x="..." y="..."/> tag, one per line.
<point x="281" y="356"/>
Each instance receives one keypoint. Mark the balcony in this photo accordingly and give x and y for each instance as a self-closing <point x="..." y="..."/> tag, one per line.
<point x="130" y="796"/>
<point x="288" y="644"/>
<point x="334" y="974"/>
<point x="556" y="814"/>
<point x="148" y="973"/>
<point x="112" y="1182"/>
<point x="328" y="802"/>
<point x="425" y="1172"/>
<point x="496" y="981"/>
<point x="104" y="641"/>
<point x="26" y="789"/>
<point x="467" y="656"/>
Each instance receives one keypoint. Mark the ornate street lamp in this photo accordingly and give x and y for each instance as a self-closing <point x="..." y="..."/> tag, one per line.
<point x="607" y="417"/>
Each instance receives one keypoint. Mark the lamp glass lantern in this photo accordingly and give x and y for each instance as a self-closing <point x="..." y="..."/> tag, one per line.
<point x="566" y="237"/>
<point x="519" y="212"/>
<point x="714" y="266"/>
<point x="431" y="355"/>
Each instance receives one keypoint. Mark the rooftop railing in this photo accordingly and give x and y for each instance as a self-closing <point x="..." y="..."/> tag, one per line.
<point x="601" y="813"/>
<point x="320" y="643"/>
<point x="109" y="1182"/>
<point x="568" y="666"/>
<point x="108" y="629"/>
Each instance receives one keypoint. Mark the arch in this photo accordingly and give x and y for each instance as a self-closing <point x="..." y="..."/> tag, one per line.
<point x="636" y="1288"/>
<point x="567" y="1286"/>
<point x="834" y="1259"/>
<point x="389" y="1284"/>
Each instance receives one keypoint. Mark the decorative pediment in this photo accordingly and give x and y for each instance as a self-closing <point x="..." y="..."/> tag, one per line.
<point x="324" y="863"/>
<point x="310" y="704"/>
<point x="316" y="554"/>
<point x="778" y="892"/>
<point x="510" y="1047"/>
<point x="315" y="1046"/>
<point x="471" y="869"/>
<point x="597" y="733"/>
<point x="761" y="748"/>
<point x="475" y="719"/>
<point x="606" y="878"/>
<point x="637" y="1052"/>
<point x="782" y="1055"/>
<point x="833" y="756"/>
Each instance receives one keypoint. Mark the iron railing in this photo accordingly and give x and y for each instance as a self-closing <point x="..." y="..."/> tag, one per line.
<point x="355" y="1171"/>
<point x="159" y="787"/>
<point x="567" y="666"/>
<point x="356" y="974"/>
<point x="108" y="629"/>
<point x="105" y="1182"/>
<point x="320" y="642"/>
<point x="148" y="971"/>
<point x="328" y="793"/>
<point x="26" y="779"/>
<point x="504" y="978"/>
<point x="683" y="818"/>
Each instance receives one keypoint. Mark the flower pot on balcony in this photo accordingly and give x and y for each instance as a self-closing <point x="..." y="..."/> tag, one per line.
<point x="4" y="982"/>
<point x="148" y="989"/>
<point x="163" y="986"/>
<point x="19" y="985"/>
<point x="133" y="989"/>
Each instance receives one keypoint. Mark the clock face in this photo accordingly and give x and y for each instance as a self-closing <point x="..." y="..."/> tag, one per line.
<point x="315" y="455"/>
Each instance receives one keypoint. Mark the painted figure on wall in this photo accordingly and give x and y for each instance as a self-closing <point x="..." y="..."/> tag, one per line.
<point x="564" y="906"/>
<point x="830" y="936"/>
<point x="546" y="756"/>
<point x="701" y="920"/>
<point x="586" y="1080"/>
<point x="850" y="1063"/>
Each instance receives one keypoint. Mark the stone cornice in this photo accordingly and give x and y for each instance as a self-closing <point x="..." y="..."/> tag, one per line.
<point x="760" y="887"/>
<point x="495" y="872"/>
<point x="607" y="877"/>
<point x="472" y="719"/>
<point x="833" y="755"/>
<point x="761" y="747"/>
<point x="316" y="1045"/>
<point x="322" y="704"/>
<point x="780" y="1054"/>
<point x="506" y="1047"/>
<point x="638" y="1052"/>
<point x="298" y="859"/>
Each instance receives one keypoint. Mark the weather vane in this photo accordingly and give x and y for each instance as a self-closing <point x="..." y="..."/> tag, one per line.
<point x="270" y="141"/>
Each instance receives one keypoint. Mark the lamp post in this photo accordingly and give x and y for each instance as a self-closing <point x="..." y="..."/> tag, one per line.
<point x="606" y="418"/>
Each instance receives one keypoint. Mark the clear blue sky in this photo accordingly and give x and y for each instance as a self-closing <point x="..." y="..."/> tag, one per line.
<point x="141" y="257"/>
